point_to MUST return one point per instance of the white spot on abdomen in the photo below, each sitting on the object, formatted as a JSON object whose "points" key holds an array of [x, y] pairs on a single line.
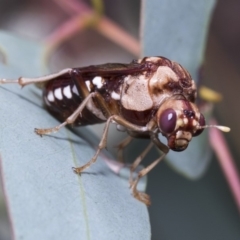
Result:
{"points": [[50, 97], [88, 85], [98, 82], [67, 92], [74, 90], [58, 93], [115, 95]]}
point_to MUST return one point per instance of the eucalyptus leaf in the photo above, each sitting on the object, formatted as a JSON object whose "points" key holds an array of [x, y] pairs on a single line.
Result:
{"points": [[177, 30], [45, 199]]}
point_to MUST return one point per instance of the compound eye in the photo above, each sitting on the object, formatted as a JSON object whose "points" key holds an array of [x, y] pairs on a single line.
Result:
{"points": [[168, 120], [201, 123]]}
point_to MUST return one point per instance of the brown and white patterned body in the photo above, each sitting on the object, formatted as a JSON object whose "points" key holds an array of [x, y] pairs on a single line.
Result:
{"points": [[138, 92]]}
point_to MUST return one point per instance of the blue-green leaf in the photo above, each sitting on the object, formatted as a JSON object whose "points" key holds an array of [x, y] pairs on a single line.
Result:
{"points": [[45, 199], [177, 30]]}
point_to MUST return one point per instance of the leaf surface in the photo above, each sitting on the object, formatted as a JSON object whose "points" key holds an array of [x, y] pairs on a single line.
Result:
{"points": [[45, 199]]}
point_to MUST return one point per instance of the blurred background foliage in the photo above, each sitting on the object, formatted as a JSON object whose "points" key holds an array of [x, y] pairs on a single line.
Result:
{"points": [[180, 209]]}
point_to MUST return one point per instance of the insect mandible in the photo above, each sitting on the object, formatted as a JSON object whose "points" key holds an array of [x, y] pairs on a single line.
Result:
{"points": [[144, 98]]}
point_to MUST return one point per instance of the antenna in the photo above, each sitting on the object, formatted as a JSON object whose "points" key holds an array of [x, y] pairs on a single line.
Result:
{"points": [[222, 128]]}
